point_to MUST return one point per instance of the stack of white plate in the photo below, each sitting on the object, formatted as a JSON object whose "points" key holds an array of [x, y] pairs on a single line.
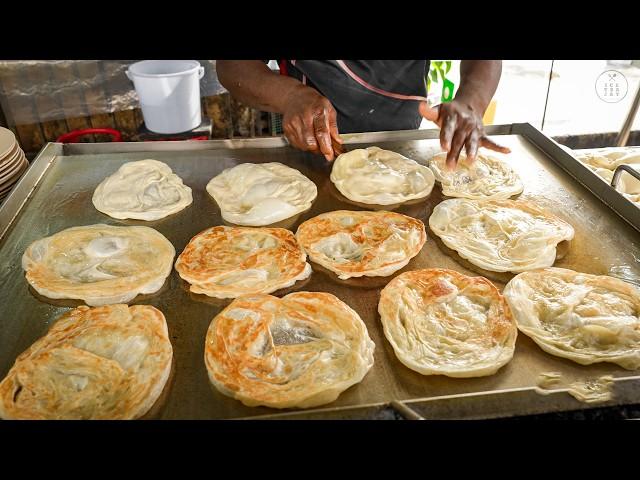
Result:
{"points": [[13, 163]]}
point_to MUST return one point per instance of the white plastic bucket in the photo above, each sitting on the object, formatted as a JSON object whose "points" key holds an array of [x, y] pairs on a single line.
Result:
{"points": [[169, 92]]}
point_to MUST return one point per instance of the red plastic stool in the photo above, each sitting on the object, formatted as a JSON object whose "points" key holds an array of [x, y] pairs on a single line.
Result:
{"points": [[72, 137]]}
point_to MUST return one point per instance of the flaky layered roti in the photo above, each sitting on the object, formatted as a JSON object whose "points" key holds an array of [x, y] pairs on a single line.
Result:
{"points": [[144, 190], [609, 158], [604, 161], [380, 177], [256, 194], [628, 183], [585, 318], [99, 264], [486, 178], [226, 262], [441, 322], [500, 235], [109, 362], [301, 350], [357, 243]]}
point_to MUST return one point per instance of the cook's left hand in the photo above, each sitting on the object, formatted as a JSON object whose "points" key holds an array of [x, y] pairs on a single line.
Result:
{"points": [[460, 126]]}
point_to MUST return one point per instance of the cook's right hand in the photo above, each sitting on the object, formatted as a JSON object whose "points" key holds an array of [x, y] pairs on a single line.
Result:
{"points": [[309, 122]]}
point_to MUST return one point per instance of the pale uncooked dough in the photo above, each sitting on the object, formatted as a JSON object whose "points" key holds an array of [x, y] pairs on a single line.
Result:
{"points": [[585, 318], [380, 177], [500, 235], [257, 194], [143, 190], [100, 264]]}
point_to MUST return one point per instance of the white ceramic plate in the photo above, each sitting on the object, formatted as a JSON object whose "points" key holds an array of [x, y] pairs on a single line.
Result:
{"points": [[7, 141], [12, 177]]}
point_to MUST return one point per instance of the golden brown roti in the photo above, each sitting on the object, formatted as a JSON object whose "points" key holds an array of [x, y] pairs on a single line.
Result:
{"points": [[108, 362], [361, 243], [226, 262], [441, 322], [301, 350]]}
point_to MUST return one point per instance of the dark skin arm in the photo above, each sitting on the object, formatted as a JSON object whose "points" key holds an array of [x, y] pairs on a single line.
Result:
{"points": [[309, 119], [460, 120]]}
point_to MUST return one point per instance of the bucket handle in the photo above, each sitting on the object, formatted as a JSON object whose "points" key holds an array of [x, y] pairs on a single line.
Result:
{"points": [[200, 73]]}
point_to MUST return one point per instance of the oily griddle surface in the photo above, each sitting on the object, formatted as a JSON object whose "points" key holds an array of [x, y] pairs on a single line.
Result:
{"points": [[603, 244]]}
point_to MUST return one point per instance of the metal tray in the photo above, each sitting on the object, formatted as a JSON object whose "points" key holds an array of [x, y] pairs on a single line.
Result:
{"points": [[606, 192], [56, 193]]}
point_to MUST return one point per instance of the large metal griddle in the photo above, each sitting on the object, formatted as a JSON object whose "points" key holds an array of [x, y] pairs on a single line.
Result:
{"points": [[56, 193]]}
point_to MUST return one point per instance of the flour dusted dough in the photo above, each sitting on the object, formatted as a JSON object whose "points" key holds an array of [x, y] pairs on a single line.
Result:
{"points": [[500, 235], [486, 178], [593, 391], [226, 262], [301, 350], [356, 244], [99, 264], [441, 322], [585, 318], [380, 177], [109, 362], [144, 190], [256, 194]]}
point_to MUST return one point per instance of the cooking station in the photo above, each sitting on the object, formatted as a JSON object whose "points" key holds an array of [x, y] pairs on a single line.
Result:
{"points": [[56, 194]]}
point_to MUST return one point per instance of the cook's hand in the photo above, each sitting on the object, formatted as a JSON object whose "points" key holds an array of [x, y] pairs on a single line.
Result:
{"points": [[310, 122], [460, 126]]}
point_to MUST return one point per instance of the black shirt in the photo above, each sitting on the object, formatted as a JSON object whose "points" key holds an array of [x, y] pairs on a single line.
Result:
{"points": [[360, 109]]}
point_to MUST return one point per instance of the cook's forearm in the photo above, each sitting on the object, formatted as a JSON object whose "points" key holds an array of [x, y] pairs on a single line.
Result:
{"points": [[254, 84], [478, 82]]}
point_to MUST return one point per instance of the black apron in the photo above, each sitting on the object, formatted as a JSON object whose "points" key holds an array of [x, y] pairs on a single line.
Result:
{"points": [[360, 109]]}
